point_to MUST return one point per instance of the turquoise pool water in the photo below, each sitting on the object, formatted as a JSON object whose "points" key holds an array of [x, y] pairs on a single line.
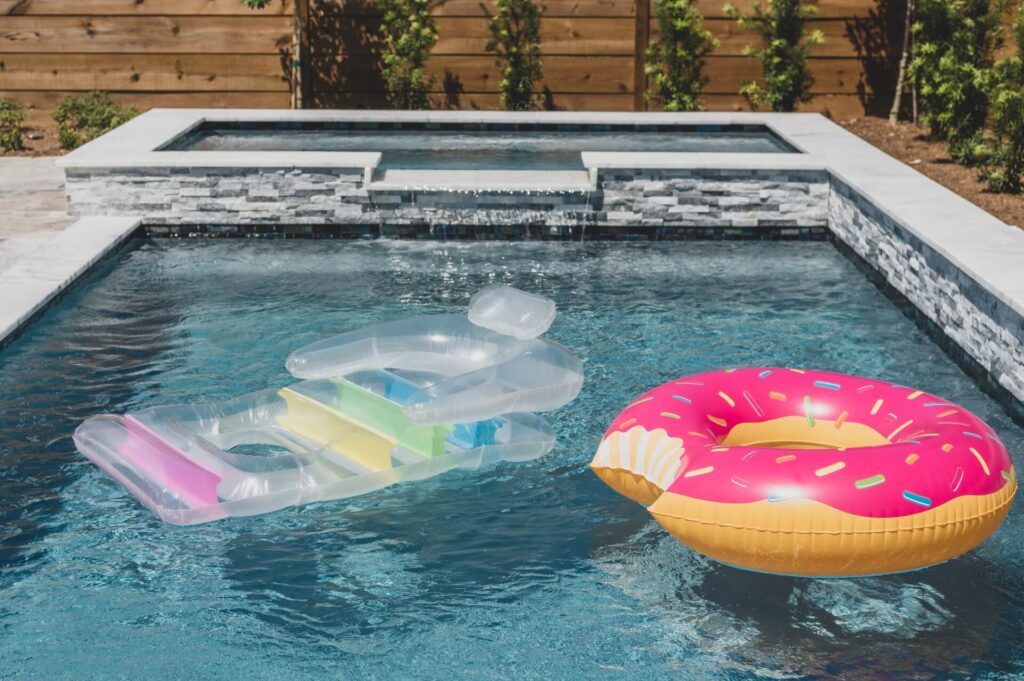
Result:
{"points": [[525, 571]]}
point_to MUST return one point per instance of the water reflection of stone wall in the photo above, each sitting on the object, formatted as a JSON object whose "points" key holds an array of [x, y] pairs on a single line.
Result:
{"points": [[625, 203]]}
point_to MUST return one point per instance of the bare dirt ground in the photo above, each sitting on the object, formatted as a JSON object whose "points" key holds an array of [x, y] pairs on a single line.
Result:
{"points": [[910, 144]]}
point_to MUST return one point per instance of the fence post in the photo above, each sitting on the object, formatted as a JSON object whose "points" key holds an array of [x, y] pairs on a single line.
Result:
{"points": [[641, 36]]}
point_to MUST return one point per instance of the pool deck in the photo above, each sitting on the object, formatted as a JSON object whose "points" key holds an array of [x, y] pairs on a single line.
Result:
{"points": [[42, 248]]}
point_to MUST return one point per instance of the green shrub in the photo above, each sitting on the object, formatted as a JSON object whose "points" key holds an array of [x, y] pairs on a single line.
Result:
{"points": [[83, 118], [256, 4], [407, 34], [515, 39], [675, 61], [783, 56], [1004, 167], [12, 125], [955, 43]]}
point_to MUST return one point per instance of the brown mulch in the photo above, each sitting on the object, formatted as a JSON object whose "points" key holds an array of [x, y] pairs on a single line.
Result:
{"points": [[909, 144]]}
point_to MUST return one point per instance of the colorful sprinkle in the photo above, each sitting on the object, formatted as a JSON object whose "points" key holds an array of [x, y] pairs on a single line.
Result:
{"points": [[785, 458], [897, 431], [981, 460], [753, 405], [740, 482], [682, 399], [627, 423], [719, 449], [728, 400], [698, 471], [948, 412], [696, 434], [827, 385], [912, 459], [809, 411], [914, 395], [958, 477], [688, 383], [864, 388], [878, 405], [916, 498], [749, 455], [1006, 475], [874, 480], [798, 371], [717, 421], [947, 448], [937, 404], [842, 419], [640, 401], [829, 470], [974, 435], [670, 415], [765, 373], [778, 397]]}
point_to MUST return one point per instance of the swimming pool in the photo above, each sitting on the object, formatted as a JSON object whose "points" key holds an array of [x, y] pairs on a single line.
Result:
{"points": [[529, 571], [527, 146]]}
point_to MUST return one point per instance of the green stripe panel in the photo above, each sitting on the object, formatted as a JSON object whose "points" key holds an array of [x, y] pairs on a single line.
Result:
{"points": [[384, 416]]}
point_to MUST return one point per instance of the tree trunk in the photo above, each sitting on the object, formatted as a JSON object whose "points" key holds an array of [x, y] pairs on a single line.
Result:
{"points": [[894, 112]]}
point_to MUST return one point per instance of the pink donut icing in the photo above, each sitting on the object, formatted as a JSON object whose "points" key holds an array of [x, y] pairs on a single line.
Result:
{"points": [[937, 452]]}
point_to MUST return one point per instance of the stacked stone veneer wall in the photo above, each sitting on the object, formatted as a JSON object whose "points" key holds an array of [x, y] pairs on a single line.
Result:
{"points": [[986, 329], [623, 198]]}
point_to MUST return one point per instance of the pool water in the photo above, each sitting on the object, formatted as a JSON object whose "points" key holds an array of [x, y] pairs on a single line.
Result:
{"points": [[456, 149], [521, 571]]}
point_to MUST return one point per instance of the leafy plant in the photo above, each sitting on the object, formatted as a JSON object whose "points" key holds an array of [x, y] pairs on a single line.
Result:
{"points": [[675, 60], [783, 56], [1004, 167], [955, 43], [257, 4], [515, 39], [407, 34], [85, 117], [12, 125]]}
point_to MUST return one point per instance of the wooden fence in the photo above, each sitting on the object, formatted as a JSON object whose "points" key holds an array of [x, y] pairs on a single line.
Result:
{"points": [[218, 53]]}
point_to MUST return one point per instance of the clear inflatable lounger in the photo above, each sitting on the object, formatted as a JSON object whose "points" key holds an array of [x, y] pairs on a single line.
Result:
{"points": [[397, 402]]}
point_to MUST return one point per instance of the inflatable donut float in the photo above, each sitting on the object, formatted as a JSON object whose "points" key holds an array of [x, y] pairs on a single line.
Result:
{"points": [[809, 473]]}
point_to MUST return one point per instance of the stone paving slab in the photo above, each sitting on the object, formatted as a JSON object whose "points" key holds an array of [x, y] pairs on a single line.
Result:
{"points": [[32, 206]]}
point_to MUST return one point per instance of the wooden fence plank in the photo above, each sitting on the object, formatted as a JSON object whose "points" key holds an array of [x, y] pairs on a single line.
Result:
{"points": [[143, 7], [142, 72], [46, 99], [192, 35]]}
